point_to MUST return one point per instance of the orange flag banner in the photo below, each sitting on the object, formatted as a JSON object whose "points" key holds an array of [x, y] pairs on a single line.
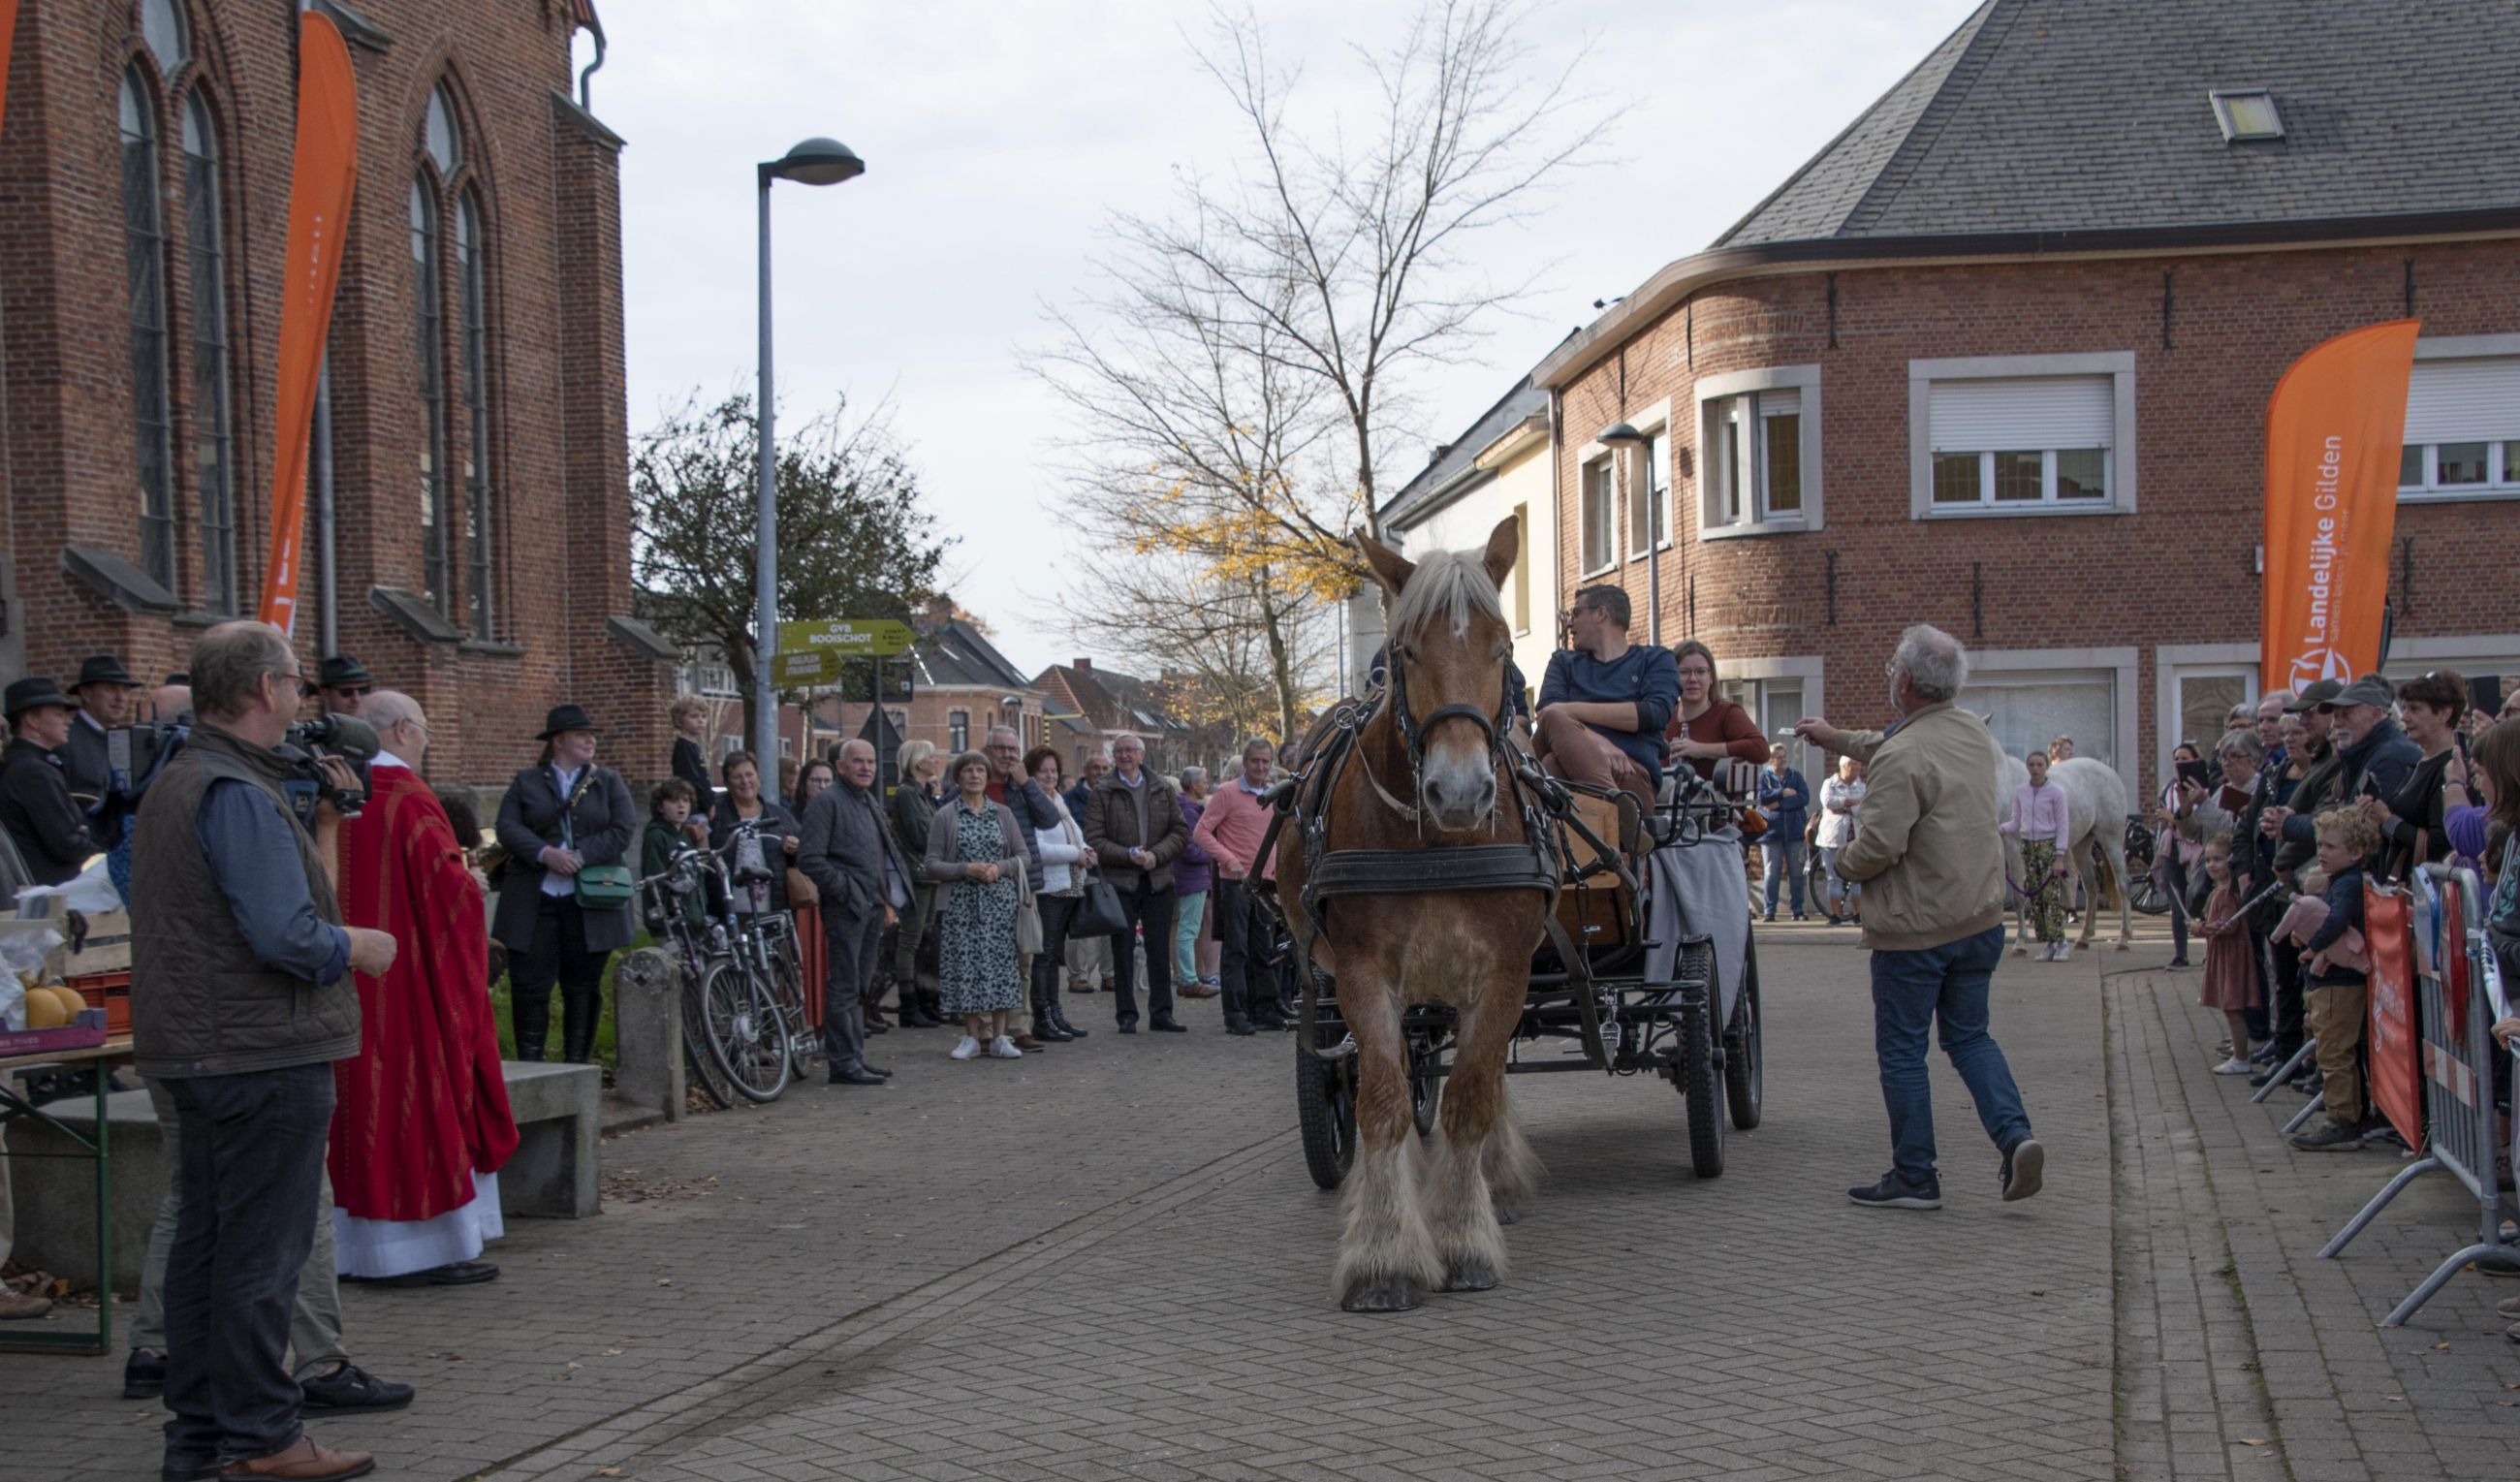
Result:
{"points": [[8, 34], [2334, 431], [321, 182]]}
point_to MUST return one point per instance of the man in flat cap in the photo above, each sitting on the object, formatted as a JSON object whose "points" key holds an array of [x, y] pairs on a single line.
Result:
{"points": [[104, 695]]}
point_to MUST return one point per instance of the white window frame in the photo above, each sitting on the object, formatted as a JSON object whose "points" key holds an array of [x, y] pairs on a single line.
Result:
{"points": [[1757, 520], [2502, 455], [1594, 457], [1809, 670], [1642, 467], [1995, 666], [2119, 465], [2174, 663]]}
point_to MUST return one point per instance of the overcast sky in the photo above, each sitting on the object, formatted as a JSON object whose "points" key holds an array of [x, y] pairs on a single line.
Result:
{"points": [[1000, 136]]}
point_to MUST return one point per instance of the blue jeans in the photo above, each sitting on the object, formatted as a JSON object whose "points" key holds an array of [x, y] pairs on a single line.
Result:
{"points": [[1783, 857], [1943, 988]]}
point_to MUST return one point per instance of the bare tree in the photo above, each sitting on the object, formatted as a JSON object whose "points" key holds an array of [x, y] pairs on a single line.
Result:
{"points": [[1242, 655], [1342, 258]]}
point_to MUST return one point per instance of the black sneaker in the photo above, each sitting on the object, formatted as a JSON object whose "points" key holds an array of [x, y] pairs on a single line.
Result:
{"points": [[1239, 1025], [350, 1389], [1896, 1193], [144, 1375], [2024, 1164], [2326, 1134]]}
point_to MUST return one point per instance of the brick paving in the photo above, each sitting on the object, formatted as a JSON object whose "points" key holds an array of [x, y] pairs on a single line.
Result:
{"points": [[1107, 1262]]}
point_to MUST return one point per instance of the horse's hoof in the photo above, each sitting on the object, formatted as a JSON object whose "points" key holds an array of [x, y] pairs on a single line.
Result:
{"points": [[1381, 1294], [1507, 1212], [2124, 947], [1471, 1275]]}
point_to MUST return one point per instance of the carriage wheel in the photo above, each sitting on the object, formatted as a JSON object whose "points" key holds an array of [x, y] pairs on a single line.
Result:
{"points": [[1325, 1115], [1699, 1082], [1744, 1059]]}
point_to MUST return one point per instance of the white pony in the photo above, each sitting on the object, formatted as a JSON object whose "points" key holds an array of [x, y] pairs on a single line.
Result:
{"points": [[2096, 811]]}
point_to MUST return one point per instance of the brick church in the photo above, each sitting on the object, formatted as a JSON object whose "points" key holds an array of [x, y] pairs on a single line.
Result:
{"points": [[467, 531]]}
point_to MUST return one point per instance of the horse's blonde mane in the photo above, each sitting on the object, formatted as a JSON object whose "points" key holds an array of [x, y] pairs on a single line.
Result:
{"points": [[1451, 585]]}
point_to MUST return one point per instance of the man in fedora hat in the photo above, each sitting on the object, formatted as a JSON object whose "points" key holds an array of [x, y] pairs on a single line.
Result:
{"points": [[346, 684], [104, 695], [35, 806]]}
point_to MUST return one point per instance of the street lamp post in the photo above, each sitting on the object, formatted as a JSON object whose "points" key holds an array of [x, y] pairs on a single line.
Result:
{"points": [[815, 161], [1620, 434]]}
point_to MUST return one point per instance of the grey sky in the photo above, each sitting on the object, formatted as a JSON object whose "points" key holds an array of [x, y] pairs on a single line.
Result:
{"points": [[998, 137]]}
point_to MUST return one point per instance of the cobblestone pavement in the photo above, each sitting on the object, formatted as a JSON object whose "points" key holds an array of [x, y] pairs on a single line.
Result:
{"points": [[2240, 1349], [1107, 1262]]}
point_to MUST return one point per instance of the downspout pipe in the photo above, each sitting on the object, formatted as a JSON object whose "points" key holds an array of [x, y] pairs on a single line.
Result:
{"points": [[585, 78]]}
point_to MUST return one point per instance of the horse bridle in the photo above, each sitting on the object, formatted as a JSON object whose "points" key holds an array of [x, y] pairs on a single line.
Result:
{"points": [[1413, 731]]}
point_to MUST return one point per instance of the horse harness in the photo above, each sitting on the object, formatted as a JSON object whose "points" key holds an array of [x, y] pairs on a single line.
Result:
{"points": [[1544, 803]]}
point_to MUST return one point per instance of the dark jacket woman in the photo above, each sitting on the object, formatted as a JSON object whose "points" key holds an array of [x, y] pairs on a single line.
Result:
{"points": [[914, 812], [550, 938]]}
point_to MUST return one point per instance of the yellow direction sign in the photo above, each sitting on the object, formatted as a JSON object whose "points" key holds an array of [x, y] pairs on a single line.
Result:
{"points": [[810, 652]]}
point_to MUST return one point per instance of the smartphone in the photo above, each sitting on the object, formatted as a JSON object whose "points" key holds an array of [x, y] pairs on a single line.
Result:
{"points": [[2485, 694], [2196, 772]]}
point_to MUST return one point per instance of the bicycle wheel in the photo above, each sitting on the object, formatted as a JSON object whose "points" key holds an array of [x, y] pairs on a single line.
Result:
{"points": [[786, 980], [746, 1034], [701, 1067]]}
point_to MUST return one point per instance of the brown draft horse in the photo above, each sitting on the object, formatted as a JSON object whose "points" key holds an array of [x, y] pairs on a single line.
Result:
{"points": [[1408, 1231]]}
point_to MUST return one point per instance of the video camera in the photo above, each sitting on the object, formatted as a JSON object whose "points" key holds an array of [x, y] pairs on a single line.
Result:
{"points": [[135, 754], [307, 747]]}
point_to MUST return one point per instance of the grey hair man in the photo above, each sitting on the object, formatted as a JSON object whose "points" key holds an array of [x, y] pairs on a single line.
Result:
{"points": [[846, 848], [1133, 822], [241, 1004], [2269, 719], [1928, 853]]}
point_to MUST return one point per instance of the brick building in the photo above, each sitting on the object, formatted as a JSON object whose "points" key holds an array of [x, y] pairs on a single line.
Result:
{"points": [[1089, 705], [1999, 358], [478, 546]]}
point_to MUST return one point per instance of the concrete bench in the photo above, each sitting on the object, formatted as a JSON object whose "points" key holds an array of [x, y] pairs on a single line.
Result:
{"points": [[559, 1111]]}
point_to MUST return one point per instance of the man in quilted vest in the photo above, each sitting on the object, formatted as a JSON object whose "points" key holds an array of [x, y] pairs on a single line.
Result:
{"points": [[240, 1003]]}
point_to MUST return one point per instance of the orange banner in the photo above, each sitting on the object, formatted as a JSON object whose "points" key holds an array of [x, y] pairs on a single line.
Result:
{"points": [[2334, 429], [8, 33], [2396, 1055], [321, 182]]}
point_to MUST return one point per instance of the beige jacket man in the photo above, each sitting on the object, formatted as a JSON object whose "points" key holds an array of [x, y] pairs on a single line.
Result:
{"points": [[1926, 850]]}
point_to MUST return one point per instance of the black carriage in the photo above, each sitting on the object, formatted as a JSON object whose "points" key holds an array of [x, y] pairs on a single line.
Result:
{"points": [[1658, 984]]}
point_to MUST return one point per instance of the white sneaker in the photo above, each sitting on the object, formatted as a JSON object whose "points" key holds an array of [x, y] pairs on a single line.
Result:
{"points": [[1003, 1048], [2234, 1067], [966, 1049]]}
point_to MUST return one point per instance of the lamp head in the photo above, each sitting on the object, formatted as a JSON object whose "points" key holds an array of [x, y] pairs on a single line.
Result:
{"points": [[1618, 433], [816, 161]]}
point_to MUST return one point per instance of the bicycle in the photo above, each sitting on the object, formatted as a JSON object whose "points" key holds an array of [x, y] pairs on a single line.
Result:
{"points": [[734, 1033], [765, 941]]}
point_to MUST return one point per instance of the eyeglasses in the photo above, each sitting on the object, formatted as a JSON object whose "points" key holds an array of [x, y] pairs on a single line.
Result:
{"points": [[306, 688], [353, 690]]}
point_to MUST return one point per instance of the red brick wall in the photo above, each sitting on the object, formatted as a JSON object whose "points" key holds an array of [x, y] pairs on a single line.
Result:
{"points": [[2178, 571], [551, 194]]}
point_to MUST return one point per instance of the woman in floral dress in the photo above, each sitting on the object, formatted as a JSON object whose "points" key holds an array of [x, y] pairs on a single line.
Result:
{"points": [[976, 858]]}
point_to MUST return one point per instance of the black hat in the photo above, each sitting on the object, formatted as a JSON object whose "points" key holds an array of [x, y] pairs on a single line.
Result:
{"points": [[104, 669], [34, 692], [2369, 689], [180, 677], [561, 718], [341, 669], [2323, 692]]}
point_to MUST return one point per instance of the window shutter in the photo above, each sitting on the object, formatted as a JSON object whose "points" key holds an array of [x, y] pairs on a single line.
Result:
{"points": [[2463, 400], [1783, 401], [2020, 415]]}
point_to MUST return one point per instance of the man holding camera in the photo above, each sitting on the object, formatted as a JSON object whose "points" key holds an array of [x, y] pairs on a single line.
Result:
{"points": [[241, 1004]]}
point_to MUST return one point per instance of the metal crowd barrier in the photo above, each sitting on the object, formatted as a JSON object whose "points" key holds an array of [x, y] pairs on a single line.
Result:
{"points": [[2462, 1125]]}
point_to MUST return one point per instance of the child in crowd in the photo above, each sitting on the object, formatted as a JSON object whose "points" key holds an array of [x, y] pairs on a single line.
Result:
{"points": [[669, 810], [2230, 968], [2339, 985]]}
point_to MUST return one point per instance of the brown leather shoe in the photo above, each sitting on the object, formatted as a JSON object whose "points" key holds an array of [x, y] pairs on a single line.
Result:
{"points": [[1028, 1044], [304, 1461]]}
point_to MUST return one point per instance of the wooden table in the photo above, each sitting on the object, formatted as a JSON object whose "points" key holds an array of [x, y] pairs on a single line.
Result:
{"points": [[99, 1060]]}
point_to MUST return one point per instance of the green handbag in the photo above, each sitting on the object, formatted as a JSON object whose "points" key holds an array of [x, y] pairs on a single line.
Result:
{"points": [[599, 887], [603, 887]]}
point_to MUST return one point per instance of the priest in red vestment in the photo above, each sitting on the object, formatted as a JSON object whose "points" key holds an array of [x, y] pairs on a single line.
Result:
{"points": [[421, 1124]]}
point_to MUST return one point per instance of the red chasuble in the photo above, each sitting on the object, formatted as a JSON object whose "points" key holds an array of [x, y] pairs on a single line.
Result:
{"points": [[425, 1105]]}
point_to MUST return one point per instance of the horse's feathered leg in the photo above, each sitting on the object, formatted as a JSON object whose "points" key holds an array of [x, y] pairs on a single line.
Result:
{"points": [[1388, 1257], [1476, 1157]]}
